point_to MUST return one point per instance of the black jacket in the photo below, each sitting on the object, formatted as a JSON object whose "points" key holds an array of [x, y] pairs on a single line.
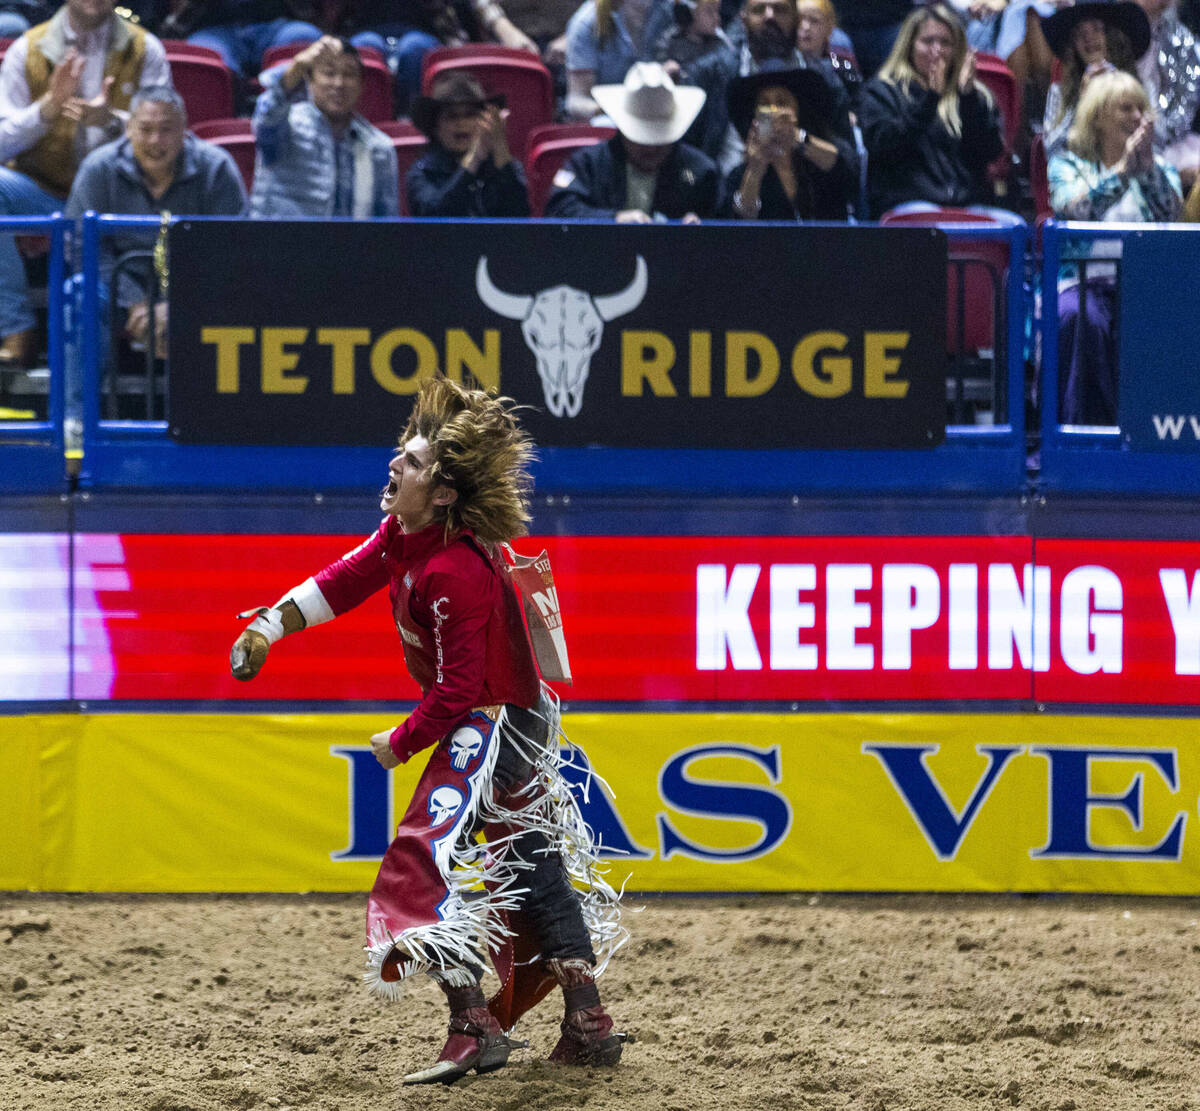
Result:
{"points": [[912, 157], [437, 185], [688, 181], [819, 196]]}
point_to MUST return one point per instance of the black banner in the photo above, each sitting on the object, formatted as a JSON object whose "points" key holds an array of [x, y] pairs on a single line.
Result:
{"points": [[713, 336]]}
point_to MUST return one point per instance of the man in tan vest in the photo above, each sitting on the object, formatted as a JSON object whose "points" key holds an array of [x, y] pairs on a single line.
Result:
{"points": [[65, 86]]}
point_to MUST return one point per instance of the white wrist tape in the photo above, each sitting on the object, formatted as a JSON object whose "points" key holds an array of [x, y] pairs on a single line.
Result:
{"points": [[270, 624], [310, 602]]}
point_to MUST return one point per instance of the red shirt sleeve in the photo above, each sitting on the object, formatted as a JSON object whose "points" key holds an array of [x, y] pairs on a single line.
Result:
{"points": [[456, 605], [358, 574]]}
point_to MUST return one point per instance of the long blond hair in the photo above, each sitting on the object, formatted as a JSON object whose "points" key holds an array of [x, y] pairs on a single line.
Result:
{"points": [[1084, 137], [604, 19], [898, 69], [479, 450]]}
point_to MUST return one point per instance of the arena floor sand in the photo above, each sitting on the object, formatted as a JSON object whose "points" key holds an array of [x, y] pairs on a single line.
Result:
{"points": [[885, 1003]]}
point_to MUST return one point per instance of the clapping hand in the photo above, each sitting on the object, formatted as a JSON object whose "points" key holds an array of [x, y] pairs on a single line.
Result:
{"points": [[64, 81], [966, 75], [1139, 148], [96, 112]]}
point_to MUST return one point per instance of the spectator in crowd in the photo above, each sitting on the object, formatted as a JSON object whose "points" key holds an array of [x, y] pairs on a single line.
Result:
{"points": [[65, 86], [1012, 31], [644, 174], [697, 32], [1091, 37], [241, 31], [404, 31], [1107, 172], [872, 26], [317, 156], [157, 166], [816, 30], [1170, 73], [468, 169], [930, 129], [771, 39], [1191, 208], [792, 171], [17, 16], [605, 38]]}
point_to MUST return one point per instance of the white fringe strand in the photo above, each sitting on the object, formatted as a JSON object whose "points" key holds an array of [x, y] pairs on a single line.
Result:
{"points": [[483, 880]]}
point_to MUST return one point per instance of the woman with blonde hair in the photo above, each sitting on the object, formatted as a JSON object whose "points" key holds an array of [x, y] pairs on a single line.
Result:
{"points": [[1109, 172], [930, 129], [605, 38], [1089, 38]]}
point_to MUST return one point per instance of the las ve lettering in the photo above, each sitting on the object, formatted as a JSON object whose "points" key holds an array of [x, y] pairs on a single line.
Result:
{"points": [[1016, 609], [1072, 801]]}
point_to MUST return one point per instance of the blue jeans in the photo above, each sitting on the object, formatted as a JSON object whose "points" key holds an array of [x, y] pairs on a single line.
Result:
{"points": [[19, 196], [243, 45], [12, 25], [405, 49]]}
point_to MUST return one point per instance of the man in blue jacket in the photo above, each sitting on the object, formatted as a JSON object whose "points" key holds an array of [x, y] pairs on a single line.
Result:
{"points": [[317, 156], [644, 174]]}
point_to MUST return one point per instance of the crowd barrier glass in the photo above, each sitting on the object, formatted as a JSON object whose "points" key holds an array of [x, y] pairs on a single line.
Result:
{"points": [[1155, 446]]}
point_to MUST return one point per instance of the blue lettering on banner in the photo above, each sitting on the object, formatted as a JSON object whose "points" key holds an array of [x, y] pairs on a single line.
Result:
{"points": [[611, 836], [370, 804], [1071, 803], [723, 800], [944, 829]]}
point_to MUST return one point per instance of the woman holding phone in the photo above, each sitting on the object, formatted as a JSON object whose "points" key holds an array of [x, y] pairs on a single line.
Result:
{"points": [[791, 170]]}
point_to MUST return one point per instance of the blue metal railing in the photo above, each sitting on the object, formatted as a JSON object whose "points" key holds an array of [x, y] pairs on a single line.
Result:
{"points": [[1098, 460], [33, 451], [986, 460]]}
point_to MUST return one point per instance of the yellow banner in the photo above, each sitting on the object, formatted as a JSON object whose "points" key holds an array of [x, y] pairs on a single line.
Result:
{"points": [[703, 802]]}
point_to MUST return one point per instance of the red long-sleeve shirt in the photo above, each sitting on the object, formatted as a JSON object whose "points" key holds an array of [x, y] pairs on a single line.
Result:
{"points": [[459, 617]]}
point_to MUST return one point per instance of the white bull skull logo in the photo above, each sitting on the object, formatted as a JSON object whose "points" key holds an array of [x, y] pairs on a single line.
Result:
{"points": [[443, 804], [465, 746], [562, 327]]}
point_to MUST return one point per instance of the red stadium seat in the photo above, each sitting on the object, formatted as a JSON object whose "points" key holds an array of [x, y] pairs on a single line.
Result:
{"points": [[548, 157], [181, 48], [240, 145], [1000, 81], [520, 76], [976, 300], [376, 102], [219, 129], [205, 85], [399, 129], [546, 131], [408, 149], [1039, 178]]}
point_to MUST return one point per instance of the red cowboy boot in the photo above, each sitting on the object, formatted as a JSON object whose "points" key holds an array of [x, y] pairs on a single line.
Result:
{"points": [[475, 1042], [587, 1029]]}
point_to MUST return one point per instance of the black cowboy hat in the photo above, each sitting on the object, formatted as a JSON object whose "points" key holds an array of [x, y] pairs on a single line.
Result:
{"points": [[455, 87], [1124, 15], [813, 96]]}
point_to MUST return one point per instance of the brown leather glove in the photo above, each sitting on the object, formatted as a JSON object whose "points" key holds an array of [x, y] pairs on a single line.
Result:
{"points": [[249, 651], [248, 654]]}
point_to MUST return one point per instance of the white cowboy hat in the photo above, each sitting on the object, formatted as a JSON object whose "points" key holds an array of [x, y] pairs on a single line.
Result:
{"points": [[649, 108]]}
